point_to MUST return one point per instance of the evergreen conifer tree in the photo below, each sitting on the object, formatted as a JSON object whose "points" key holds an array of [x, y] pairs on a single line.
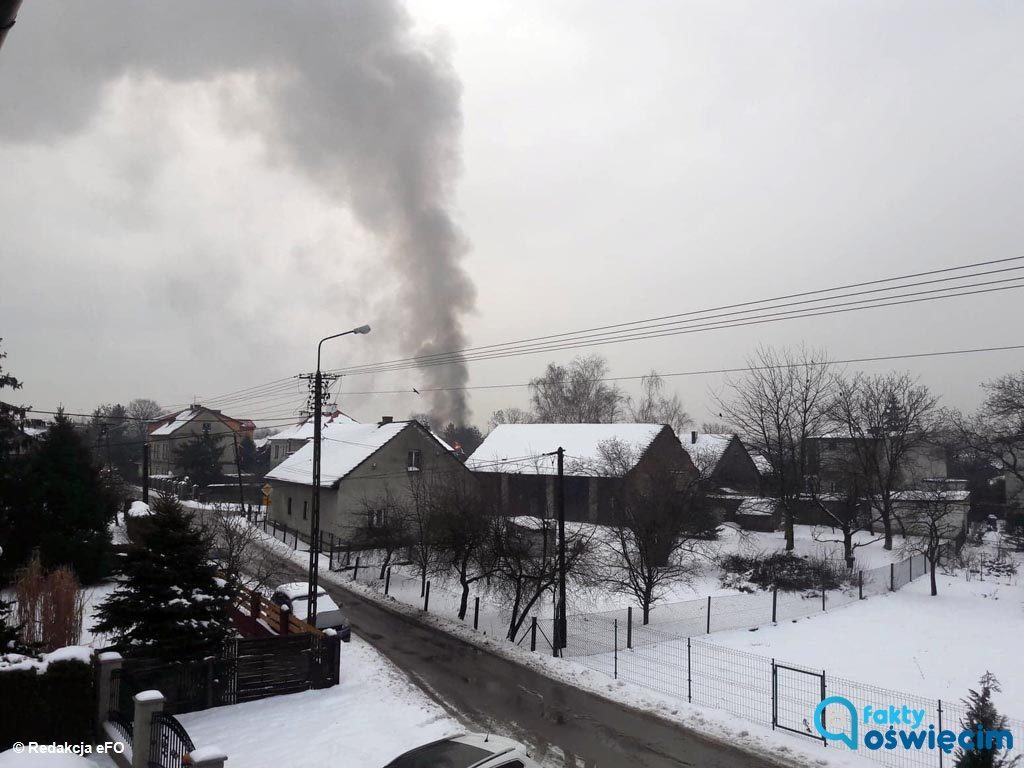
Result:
{"points": [[65, 509], [171, 605], [982, 714]]}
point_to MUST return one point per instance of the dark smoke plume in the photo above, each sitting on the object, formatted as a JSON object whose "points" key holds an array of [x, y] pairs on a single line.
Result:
{"points": [[352, 98]]}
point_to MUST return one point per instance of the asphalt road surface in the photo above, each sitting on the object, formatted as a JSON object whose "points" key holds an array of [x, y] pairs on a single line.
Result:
{"points": [[564, 726]]}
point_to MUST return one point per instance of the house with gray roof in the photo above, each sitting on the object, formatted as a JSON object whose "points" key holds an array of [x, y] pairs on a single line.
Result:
{"points": [[361, 466]]}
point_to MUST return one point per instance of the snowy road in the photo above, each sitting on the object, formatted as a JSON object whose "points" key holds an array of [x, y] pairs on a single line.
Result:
{"points": [[564, 725]]}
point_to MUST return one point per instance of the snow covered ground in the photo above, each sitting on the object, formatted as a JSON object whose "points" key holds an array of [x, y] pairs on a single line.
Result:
{"points": [[910, 641], [371, 716]]}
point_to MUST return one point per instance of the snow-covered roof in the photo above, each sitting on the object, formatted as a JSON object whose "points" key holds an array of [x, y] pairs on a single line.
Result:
{"points": [[707, 450], [304, 429], [763, 465], [519, 448], [173, 425], [344, 446], [260, 442]]}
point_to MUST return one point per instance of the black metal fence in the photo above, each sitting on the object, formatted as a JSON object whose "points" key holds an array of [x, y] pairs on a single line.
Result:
{"points": [[246, 669], [588, 634], [169, 742]]}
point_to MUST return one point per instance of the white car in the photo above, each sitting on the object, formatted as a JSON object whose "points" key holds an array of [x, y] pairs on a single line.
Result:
{"points": [[328, 615], [470, 750]]}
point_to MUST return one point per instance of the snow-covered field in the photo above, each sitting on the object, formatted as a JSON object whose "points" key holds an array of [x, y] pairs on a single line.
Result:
{"points": [[910, 641], [371, 716]]}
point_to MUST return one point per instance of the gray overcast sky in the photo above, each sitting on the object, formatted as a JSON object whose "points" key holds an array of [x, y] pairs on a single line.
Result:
{"points": [[174, 227]]}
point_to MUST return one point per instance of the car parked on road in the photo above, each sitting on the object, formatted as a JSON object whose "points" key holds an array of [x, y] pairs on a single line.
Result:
{"points": [[470, 750], [295, 595]]}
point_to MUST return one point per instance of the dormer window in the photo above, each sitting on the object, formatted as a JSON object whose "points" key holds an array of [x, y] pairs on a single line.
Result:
{"points": [[414, 461]]}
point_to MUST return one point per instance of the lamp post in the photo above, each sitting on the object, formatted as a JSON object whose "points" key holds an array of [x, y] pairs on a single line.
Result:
{"points": [[314, 521]]}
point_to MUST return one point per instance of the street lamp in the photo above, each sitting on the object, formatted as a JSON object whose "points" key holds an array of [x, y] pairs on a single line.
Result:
{"points": [[314, 522]]}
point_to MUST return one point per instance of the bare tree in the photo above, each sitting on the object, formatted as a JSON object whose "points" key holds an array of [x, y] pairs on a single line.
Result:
{"points": [[717, 428], [509, 416], [845, 509], [419, 517], [656, 406], [387, 527], [932, 520], [141, 410], [238, 547], [659, 529], [782, 401], [996, 431], [526, 563], [886, 418], [576, 393], [463, 536]]}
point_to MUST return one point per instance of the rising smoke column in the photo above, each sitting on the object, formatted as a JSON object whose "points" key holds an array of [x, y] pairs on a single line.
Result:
{"points": [[352, 98]]}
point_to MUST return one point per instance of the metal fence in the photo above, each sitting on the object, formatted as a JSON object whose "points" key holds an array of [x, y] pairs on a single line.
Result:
{"points": [[778, 694], [588, 634]]}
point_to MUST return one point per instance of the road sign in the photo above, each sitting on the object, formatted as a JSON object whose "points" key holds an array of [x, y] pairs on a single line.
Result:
{"points": [[267, 489]]}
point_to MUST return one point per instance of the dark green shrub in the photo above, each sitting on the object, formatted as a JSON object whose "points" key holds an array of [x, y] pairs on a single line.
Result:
{"points": [[784, 571], [56, 706]]}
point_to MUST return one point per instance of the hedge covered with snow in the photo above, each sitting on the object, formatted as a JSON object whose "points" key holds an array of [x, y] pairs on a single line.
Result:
{"points": [[48, 700]]}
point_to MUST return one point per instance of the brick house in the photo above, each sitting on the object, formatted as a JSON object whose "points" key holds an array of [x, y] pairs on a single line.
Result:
{"points": [[517, 471]]}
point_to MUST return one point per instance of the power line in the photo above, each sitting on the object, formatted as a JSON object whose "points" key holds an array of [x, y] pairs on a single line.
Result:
{"points": [[465, 351], [756, 320], [707, 372]]}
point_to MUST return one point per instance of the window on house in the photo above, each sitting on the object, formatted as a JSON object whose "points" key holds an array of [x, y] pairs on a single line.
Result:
{"points": [[377, 518], [289, 506], [277, 451], [305, 507], [414, 461]]}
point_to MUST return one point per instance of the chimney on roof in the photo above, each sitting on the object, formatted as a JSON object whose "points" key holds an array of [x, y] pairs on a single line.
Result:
{"points": [[386, 419], [693, 437]]}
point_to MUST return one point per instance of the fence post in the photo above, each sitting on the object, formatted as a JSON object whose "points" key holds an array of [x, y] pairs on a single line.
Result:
{"points": [[775, 604], [426, 598], [209, 682], [709, 615], [860, 585], [892, 577], [147, 704], [282, 624], [355, 571], [689, 676], [533, 633], [823, 593], [106, 662], [476, 612], [616, 649], [940, 731], [295, 540], [387, 581], [254, 606], [775, 695], [629, 627]]}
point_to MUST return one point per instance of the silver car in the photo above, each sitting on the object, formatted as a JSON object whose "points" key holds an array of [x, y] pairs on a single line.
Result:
{"points": [[470, 750]]}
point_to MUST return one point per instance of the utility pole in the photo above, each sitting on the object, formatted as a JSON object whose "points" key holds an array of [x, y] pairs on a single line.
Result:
{"points": [[314, 517], [145, 473], [560, 502], [238, 469]]}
